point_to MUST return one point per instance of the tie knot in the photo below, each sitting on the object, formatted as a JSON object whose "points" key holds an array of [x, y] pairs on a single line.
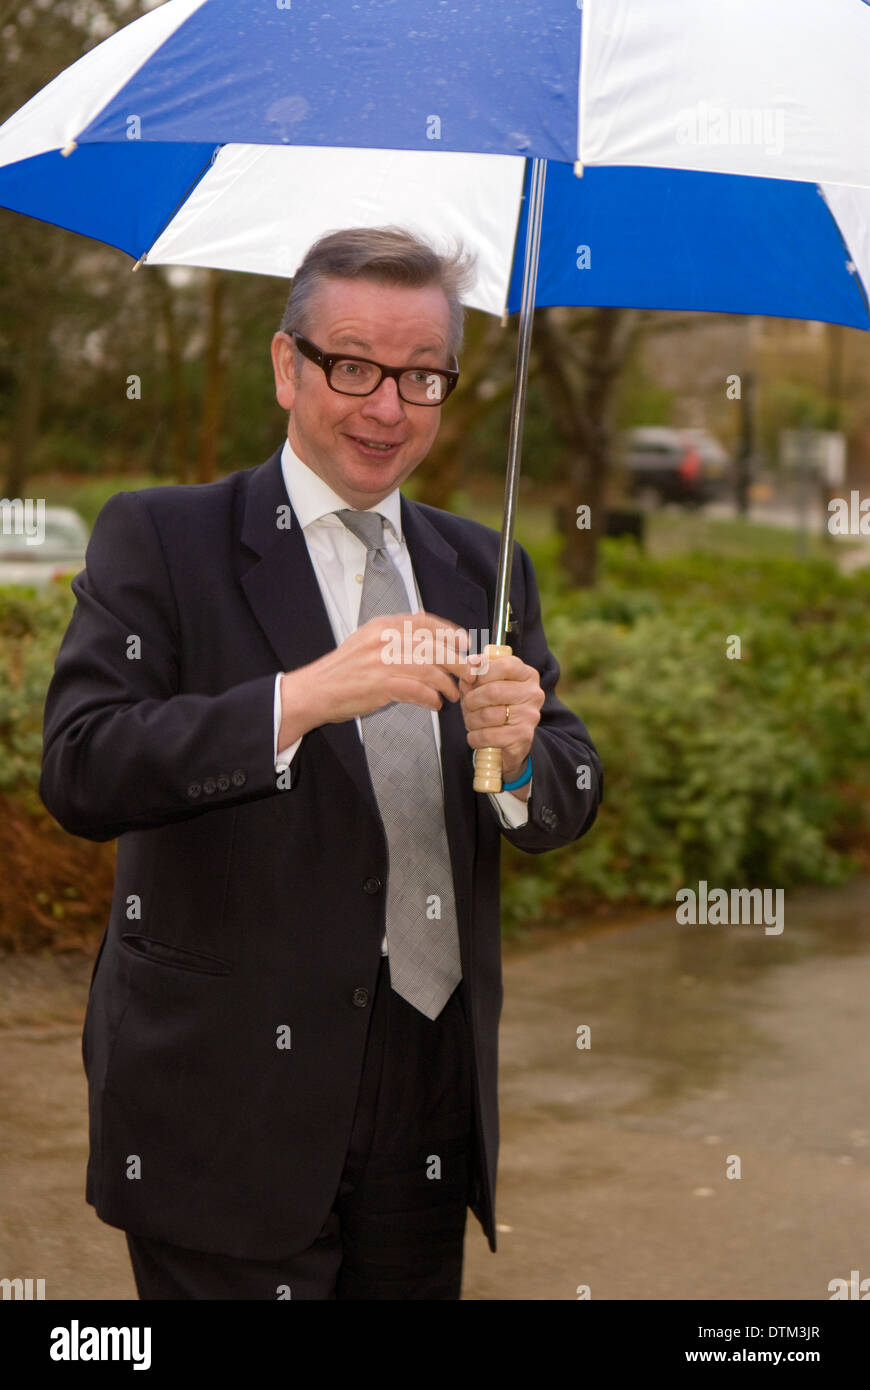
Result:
{"points": [[367, 526]]}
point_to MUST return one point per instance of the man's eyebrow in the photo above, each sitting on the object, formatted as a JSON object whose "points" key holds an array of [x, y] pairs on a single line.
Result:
{"points": [[347, 339]]}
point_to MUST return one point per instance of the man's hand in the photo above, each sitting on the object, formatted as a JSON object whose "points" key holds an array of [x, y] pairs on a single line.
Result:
{"points": [[506, 683], [382, 661]]}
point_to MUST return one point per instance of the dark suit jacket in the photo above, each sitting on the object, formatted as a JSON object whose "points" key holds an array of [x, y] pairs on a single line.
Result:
{"points": [[240, 908]]}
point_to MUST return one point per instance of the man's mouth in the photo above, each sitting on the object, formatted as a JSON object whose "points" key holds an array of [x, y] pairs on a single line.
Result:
{"points": [[373, 447]]}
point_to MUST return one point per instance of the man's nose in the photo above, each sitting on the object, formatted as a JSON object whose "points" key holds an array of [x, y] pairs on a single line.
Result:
{"points": [[385, 403]]}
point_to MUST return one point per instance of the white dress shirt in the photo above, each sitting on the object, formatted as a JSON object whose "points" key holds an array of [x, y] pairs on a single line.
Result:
{"points": [[339, 561]]}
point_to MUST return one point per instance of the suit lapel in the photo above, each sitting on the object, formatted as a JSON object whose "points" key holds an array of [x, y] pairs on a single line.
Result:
{"points": [[282, 589]]}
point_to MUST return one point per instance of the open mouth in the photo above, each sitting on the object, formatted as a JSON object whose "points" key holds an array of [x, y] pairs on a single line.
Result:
{"points": [[371, 448]]}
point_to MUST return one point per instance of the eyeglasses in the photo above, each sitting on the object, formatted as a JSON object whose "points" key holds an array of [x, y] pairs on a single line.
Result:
{"points": [[357, 376]]}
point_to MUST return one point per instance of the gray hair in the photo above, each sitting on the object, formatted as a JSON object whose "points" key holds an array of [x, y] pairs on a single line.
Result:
{"points": [[388, 256]]}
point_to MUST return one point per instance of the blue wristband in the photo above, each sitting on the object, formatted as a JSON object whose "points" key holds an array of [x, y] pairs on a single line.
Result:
{"points": [[521, 781]]}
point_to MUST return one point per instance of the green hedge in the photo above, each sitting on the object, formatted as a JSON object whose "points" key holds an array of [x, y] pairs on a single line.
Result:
{"points": [[32, 625], [750, 772]]}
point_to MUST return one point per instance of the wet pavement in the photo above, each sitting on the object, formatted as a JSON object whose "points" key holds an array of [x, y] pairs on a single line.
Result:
{"points": [[706, 1042], [710, 1049]]}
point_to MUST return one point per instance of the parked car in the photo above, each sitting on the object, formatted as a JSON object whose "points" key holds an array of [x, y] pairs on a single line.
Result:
{"points": [[687, 466], [60, 551]]}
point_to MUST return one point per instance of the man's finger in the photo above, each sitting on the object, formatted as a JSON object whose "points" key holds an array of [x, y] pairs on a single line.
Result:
{"points": [[493, 693]]}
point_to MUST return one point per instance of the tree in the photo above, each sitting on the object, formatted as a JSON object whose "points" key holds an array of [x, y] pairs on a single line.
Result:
{"points": [[486, 381], [580, 356], [47, 299], [213, 393]]}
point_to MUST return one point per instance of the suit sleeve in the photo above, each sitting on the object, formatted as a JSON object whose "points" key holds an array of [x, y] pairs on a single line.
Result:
{"points": [[122, 748], [560, 811]]}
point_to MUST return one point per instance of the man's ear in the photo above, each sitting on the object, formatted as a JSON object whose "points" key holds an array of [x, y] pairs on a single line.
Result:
{"points": [[284, 369]]}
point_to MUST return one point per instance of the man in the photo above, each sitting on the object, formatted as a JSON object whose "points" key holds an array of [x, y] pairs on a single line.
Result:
{"points": [[291, 1036]]}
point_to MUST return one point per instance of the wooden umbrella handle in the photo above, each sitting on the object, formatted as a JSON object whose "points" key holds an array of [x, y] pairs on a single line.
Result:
{"points": [[487, 764]]}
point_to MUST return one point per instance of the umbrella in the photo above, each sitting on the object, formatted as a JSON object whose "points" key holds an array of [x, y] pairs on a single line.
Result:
{"points": [[725, 163]]}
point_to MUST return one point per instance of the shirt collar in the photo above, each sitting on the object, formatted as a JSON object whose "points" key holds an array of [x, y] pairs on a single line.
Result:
{"points": [[312, 498]]}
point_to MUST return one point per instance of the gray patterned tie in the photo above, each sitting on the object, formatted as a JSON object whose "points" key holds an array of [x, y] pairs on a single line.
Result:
{"points": [[399, 743]]}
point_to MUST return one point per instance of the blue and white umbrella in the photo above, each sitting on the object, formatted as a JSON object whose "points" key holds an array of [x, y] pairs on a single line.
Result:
{"points": [[724, 151]]}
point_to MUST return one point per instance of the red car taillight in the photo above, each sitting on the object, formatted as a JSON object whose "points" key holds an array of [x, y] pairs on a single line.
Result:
{"points": [[690, 466]]}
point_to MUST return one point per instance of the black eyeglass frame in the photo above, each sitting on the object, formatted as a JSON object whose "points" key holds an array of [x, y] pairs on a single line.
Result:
{"points": [[328, 360]]}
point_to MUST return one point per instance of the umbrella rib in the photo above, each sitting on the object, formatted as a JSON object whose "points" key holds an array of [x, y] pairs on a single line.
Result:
{"points": [[505, 315], [182, 200], [848, 250]]}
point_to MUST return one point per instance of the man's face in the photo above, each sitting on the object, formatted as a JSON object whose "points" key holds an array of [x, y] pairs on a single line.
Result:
{"points": [[388, 323]]}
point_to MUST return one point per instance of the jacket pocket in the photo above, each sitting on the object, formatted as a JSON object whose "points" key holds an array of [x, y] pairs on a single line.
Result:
{"points": [[161, 953]]}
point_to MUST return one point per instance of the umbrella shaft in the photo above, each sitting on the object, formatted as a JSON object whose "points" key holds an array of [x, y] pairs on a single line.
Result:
{"points": [[512, 481]]}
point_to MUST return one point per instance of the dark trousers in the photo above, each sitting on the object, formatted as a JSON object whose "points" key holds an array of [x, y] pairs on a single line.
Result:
{"points": [[397, 1224]]}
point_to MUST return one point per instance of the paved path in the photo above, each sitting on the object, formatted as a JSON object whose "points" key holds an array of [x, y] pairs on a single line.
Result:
{"points": [[705, 1043]]}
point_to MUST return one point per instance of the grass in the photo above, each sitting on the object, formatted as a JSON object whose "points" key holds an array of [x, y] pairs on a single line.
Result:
{"points": [[670, 532]]}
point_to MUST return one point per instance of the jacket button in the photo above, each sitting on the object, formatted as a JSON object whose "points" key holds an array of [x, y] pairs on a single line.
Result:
{"points": [[239, 778], [209, 786], [194, 790], [223, 783], [372, 885], [360, 998]]}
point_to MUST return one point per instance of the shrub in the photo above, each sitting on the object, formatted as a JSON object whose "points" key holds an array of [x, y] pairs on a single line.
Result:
{"points": [[750, 772]]}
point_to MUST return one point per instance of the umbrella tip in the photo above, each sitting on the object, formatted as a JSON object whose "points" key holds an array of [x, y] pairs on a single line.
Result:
{"points": [[578, 169], [69, 147], [141, 261]]}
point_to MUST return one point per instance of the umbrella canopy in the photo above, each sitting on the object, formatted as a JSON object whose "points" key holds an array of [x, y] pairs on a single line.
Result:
{"points": [[755, 87], [233, 133], [726, 160]]}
